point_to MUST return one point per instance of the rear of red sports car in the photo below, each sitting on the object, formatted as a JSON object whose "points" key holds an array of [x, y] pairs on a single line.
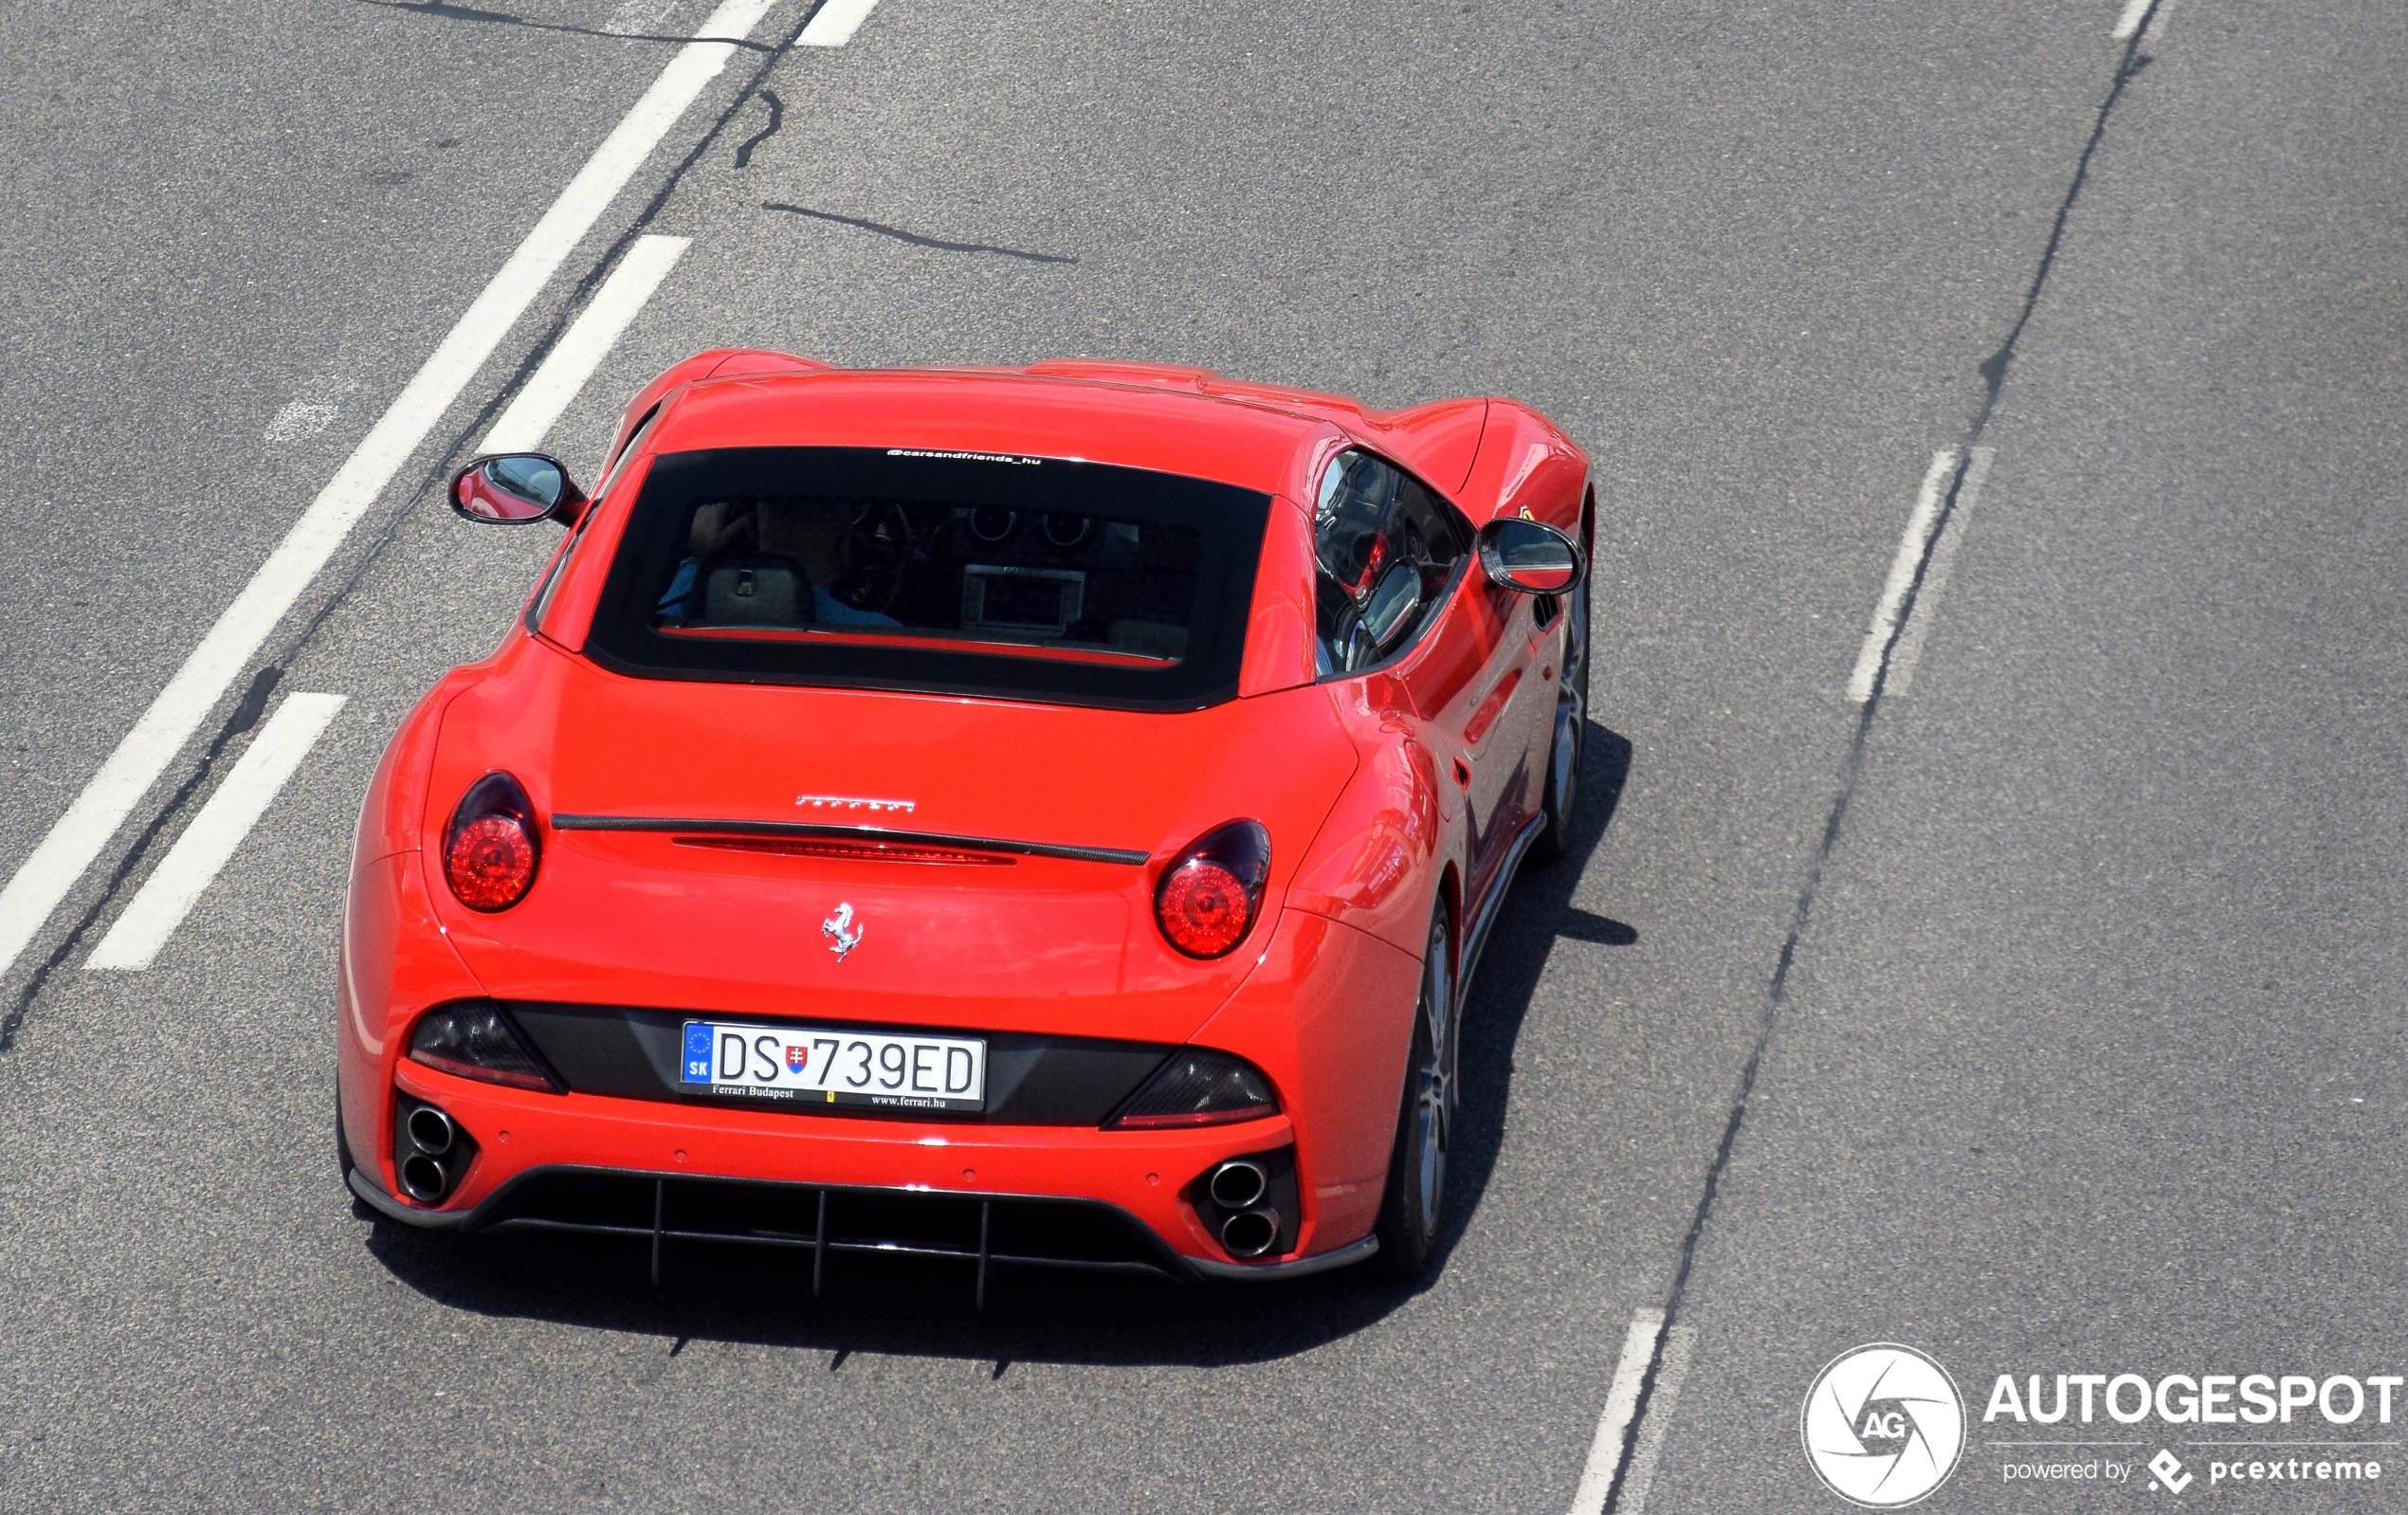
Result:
{"points": [[885, 830]]}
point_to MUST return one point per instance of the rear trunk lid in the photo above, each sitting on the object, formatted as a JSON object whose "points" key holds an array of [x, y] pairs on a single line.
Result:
{"points": [[1043, 828]]}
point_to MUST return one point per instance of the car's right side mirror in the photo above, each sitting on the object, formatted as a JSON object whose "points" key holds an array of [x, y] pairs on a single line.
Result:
{"points": [[1529, 557]]}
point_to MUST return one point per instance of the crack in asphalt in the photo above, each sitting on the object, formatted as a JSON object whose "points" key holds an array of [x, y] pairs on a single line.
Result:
{"points": [[1993, 374], [776, 119], [914, 237], [253, 704], [447, 12]]}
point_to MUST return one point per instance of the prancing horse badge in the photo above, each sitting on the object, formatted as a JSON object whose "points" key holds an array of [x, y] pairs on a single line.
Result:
{"points": [[841, 933]]}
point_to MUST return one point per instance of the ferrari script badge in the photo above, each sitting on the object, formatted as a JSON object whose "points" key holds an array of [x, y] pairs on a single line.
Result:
{"points": [[855, 802], [841, 932]]}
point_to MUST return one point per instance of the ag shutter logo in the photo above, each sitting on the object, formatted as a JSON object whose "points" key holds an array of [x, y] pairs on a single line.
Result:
{"points": [[1883, 1425]]}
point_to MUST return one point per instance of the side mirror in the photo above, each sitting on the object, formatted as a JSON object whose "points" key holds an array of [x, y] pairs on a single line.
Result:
{"points": [[1529, 557], [515, 489]]}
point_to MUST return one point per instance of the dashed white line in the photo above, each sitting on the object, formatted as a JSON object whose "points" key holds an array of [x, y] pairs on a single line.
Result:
{"points": [[1678, 1343], [834, 24], [197, 856], [1935, 579], [1901, 575], [2135, 11], [50, 871], [1621, 1402], [584, 345]]}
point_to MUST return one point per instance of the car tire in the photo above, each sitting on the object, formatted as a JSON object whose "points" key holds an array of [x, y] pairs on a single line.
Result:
{"points": [[1414, 1201], [1562, 789]]}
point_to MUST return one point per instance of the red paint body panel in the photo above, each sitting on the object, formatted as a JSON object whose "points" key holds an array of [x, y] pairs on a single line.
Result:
{"points": [[1524, 464], [1043, 945], [1329, 1017], [1355, 781], [394, 964], [972, 412]]}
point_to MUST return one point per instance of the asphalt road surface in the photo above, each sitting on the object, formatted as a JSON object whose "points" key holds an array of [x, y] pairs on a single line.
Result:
{"points": [[2042, 1011]]}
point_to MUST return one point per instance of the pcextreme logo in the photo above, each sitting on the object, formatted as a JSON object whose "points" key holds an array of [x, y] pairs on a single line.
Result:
{"points": [[1883, 1425]]}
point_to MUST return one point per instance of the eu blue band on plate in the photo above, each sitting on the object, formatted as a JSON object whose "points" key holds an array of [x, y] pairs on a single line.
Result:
{"points": [[698, 1054]]}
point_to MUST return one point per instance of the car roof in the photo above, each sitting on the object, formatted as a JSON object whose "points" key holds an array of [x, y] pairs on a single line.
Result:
{"points": [[1239, 439]]}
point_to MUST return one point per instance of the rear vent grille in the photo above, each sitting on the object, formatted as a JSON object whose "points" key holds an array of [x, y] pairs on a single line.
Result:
{"points": [[861, 851]]}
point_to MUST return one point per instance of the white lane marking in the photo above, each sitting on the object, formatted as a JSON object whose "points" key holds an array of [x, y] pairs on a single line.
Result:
{"points": [[2135, 11], [1901, 575], [1935, 580], [50, 870], [1621, 1401], [582, 348], [834, 24], [1678, 1343], [178, 883]]}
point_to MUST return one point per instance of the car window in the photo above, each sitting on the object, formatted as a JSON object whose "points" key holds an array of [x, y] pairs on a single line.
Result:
{"points": [[1028, 577], [1386, 549], [1054, 582]]}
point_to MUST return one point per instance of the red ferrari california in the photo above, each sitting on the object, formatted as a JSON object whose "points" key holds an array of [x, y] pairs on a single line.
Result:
{"points": [[1035, 816]]}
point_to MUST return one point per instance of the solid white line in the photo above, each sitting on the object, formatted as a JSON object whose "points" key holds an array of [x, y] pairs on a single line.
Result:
{"points": [[1621, 1401], [50, 871], [1935, 580], [2135, 11], [1901, 575], [835, 22], [584, 345], [1678, 1343], [176, 884]]}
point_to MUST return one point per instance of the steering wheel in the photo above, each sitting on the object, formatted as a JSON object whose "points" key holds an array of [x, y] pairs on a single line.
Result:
{"points": [[884, 551]]}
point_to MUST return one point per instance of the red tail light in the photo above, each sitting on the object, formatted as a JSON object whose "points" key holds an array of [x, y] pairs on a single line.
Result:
{"points": [[1209, 896], [489, 854]]}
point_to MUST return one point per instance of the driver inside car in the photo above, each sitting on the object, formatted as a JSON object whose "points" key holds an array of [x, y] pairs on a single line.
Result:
{"points": [[816, 539]]}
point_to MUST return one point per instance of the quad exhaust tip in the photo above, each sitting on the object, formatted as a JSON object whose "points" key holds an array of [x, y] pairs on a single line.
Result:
{"points": [[1238, 1184], [431, 1153], [431, 1131], [424, 1179], [1250, 1233]]}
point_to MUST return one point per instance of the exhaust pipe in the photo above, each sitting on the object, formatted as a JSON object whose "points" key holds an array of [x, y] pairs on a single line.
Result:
{"points": [[431, 1131], [1238, 1184], [1249, 1233], [431, 1150], [423, 1179]]}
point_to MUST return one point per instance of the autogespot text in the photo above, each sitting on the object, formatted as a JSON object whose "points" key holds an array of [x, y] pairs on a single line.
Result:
{"points": [[2178, 1398]]}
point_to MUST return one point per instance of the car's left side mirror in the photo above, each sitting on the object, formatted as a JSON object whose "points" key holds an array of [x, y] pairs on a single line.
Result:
{"points": [[517, 489], [1530, 555]]}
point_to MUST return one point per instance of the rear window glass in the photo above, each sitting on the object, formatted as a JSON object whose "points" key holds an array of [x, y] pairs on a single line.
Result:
{"points": [[961, 573]]}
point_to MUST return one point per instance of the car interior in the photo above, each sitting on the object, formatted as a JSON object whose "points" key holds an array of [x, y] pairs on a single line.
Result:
{"points": [[920, 569]]}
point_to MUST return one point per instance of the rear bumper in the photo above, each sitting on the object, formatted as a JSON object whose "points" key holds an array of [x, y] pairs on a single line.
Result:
{"points": [[989, 1231], [738, 1176]]}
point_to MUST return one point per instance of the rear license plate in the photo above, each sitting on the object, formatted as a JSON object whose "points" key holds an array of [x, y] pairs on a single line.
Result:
{"points": [[813, 1065]]}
